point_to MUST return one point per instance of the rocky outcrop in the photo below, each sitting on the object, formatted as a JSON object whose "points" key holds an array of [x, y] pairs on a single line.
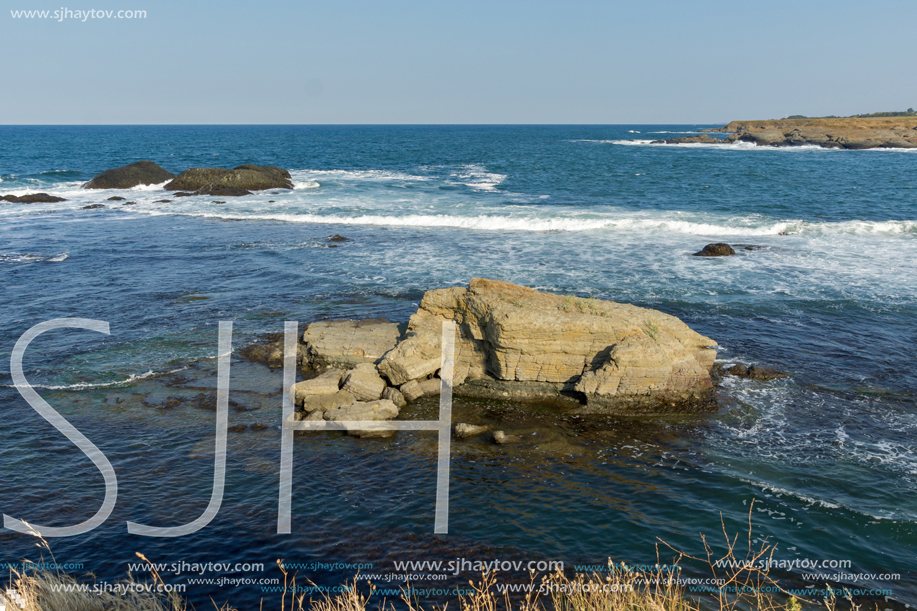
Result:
{"points": [[530, 344], [512, 343], [219, 181], [32, 198], [715, 250], [129, 176], [845, 133]]}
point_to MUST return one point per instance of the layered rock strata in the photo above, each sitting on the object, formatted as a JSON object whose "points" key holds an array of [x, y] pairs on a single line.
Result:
{"points": [[512, 343]]}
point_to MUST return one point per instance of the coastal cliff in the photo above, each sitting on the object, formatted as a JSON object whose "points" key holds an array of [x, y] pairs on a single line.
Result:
{"points": [[842, 133]]}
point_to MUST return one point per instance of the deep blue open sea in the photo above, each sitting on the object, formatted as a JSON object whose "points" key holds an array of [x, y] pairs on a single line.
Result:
{"points": [[828, 455]]}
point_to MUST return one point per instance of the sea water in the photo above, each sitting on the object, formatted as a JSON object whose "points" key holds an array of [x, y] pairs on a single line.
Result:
{"points": [[822, 287]]}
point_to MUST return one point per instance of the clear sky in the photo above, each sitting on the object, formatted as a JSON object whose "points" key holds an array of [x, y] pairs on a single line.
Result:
{"points": [[502, 61]]}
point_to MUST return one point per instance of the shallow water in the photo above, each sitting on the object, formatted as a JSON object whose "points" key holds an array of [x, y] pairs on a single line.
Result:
{"points": [[828, 454]]}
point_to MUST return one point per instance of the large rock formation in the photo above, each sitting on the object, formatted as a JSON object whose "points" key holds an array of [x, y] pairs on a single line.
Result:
{"points": [[219, 181], [129, 176], [512, 343], [518, 343]]}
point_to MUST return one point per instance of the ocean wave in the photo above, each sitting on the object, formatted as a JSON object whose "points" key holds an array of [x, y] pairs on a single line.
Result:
{"points": [[86, 385], [156, 187], [766, 487], [485, 222], [479, 178], [306, 184], [32, 258]]}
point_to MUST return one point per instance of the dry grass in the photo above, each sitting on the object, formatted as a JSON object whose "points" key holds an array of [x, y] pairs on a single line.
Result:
{"points": [[742, 574]]}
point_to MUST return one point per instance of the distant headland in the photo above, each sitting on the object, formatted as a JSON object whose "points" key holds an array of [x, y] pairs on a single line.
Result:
{"points": [[877, 130]]}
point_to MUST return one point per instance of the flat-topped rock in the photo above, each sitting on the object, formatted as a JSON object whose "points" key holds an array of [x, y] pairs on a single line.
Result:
{"points": [[347, 343]]}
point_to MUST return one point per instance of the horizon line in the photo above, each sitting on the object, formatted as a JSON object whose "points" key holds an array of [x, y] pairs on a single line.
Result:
{"points": [[347, 124]]}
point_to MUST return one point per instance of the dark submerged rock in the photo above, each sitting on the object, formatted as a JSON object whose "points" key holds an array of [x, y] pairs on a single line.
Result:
{"points": [[245, 177], [115, 198], [93, 206], [719, 249], [33, 198], [128, 176], [702, 139], [756, 372]]}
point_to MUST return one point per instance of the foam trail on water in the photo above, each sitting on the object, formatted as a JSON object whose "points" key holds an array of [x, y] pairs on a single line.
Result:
{"points": [[540, 224], [85, 385]]}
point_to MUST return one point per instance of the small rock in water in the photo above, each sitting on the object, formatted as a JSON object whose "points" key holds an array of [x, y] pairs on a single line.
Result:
{"points": [[719, 249], [217, 202], [500, 438], [259, 426], [238, 428], [163, 201], [756, 372], [129, 204], [764, 372], [464, 430], [337, 238], [115, 198], [93, 206]]}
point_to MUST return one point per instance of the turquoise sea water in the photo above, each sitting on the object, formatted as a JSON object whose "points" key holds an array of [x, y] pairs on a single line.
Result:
{"points": [[829, 295]]}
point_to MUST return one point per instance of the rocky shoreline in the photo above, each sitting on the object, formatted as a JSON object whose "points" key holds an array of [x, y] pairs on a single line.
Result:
{"points": [[583, 356], [849, 133]]}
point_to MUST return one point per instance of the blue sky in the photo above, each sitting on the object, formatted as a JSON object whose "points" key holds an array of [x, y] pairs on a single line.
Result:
{"points": [[401, 61]]}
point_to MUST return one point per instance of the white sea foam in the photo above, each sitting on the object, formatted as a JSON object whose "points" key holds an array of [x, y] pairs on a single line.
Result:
{"points": [[306, 184], [766, 487], [32, 258], [156, 187], [479, 178], [86, 385], [565, 223]]}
